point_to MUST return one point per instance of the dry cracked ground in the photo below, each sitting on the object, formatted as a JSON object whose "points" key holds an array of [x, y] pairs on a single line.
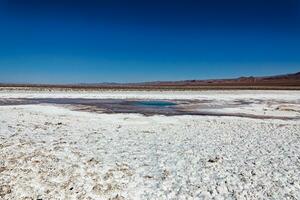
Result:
{"points": [[48, 152]]}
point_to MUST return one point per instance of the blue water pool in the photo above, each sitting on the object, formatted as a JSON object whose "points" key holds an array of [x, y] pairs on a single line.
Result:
{"points": [[154, 103]]}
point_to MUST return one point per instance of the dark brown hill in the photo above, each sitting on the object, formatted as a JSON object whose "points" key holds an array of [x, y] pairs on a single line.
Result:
{"points": [[286, 81], [278, 80]]}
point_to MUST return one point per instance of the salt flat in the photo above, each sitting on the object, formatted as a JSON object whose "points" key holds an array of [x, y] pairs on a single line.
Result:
{"points": [[52, 152]]}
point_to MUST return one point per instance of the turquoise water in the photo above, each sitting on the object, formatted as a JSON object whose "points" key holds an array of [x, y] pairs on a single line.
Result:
{"points": [[155, 103]]}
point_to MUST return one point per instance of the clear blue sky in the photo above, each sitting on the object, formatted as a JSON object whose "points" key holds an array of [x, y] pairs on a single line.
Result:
{"points": [[64, 41]]}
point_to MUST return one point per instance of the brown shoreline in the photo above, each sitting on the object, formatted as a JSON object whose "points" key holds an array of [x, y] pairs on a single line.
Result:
{"points": [[140, 88], [277, 82]]}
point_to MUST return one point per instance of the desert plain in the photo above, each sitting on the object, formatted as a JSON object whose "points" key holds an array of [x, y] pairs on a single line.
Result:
{"points": [[238, 144]]}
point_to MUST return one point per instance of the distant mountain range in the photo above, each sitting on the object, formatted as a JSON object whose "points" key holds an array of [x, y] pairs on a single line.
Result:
{"points": [[278, 80], [288, 81]]}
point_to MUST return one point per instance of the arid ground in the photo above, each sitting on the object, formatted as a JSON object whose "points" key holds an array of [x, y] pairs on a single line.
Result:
{"points": [[245, 146]]}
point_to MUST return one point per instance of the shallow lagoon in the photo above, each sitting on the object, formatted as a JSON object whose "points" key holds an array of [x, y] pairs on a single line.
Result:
{"points": [[155, 103], [147, 107]]}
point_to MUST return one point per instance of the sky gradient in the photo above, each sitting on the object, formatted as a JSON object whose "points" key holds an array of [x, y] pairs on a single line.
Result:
{"points": [[133, 41]]}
